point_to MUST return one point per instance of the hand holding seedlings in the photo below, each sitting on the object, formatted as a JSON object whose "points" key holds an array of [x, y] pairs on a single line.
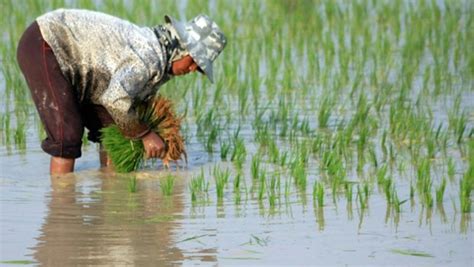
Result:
{"points": [[164, 140], [154, 146]]}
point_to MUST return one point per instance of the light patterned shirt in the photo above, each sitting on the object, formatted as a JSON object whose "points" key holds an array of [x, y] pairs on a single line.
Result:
{"points": [[109, 61]]}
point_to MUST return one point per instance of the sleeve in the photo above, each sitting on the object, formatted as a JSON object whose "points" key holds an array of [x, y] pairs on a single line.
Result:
{"points": [[119, 100]]}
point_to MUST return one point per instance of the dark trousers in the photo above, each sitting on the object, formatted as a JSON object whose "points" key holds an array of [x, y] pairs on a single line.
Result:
{"points": [[63, 117]]}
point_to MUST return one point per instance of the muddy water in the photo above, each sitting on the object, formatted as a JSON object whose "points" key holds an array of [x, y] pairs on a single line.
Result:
{"points": [[90, 218]]}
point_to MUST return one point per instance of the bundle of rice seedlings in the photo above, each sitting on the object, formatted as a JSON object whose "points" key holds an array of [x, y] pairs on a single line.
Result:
{"points": [[128, 155]]}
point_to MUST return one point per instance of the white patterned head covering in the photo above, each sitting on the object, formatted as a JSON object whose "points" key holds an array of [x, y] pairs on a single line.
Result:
{"points": [[202, 38]]}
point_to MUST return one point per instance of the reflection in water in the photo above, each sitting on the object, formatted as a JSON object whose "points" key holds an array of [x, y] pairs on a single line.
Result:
{"points": [[108, 225], [442, 213], [350, 214], [319, 212], [95, 220], [465, 223]]}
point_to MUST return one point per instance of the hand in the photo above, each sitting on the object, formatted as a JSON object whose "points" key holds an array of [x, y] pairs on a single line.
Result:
{"points": [[154, 146]]}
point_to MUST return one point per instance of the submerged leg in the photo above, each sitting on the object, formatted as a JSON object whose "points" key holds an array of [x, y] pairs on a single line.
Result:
{"points": [[59, 166], [105, 160]]}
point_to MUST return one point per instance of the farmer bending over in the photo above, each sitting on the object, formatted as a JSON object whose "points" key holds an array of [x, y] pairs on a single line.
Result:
{"points": [[89, 69]]}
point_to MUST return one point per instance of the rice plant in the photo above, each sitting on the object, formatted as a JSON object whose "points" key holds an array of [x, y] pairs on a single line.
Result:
{"points": [[239, 152], [451, 168], [362, 199], [395, 202], [167, 186], [224, 151], [198, 186], [424, 182], [440, 192], [318, 193], [466, 184], [298, 171], [273, 190], [348, 191], [255, 167], [262, 185], [221, 178]]}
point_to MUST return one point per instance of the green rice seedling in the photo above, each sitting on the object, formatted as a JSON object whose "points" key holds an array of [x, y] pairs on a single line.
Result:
{"points": [[317, 143], [424, 182], [467, 181], [283, 158], [20, 136], [373, 157], [193, 191], [211, 139], [274, 152], [271, 199], [333, 165], [132, 184], [335, 190], [438, 133], [383, 144], [262, 134], [388, 187], [392, 154], [395, 202], [430, 145], [237, 182], [283, 129], [401, 168], [255, 167], [465, 190], [318, 193], [460, 127], [273, 191], [362, 199], [305, 128], [324, 112], [262, 185], [221, 178], [224, 151], [298, 171], [198, 185], [239, 152], [348, 191], [382, 175], [440, 192], [362, 141], [451, 169], [428, 198], [287, 188], [243, 98], [366, 188], [167, 185]]}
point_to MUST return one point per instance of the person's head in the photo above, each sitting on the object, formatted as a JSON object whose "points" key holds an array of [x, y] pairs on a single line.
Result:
{"points": [[203, 41]]}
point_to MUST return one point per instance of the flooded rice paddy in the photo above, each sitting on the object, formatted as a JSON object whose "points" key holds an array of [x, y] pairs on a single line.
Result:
{"points": [[337, 133]]}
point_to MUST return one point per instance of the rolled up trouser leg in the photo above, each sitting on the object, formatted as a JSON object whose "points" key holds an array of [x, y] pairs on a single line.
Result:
{"points": [[53, 95]]}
